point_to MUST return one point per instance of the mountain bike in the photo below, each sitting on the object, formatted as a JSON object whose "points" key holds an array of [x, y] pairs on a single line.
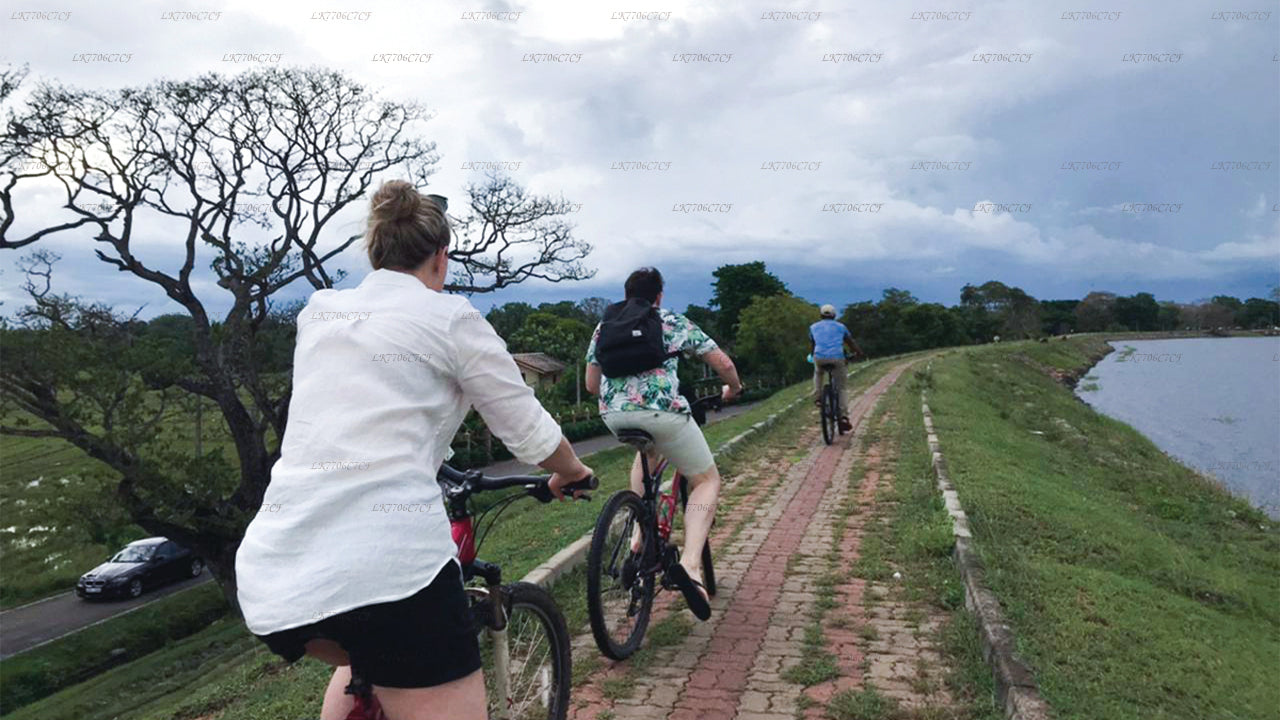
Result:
{"points": [[621, 583], [829, 407], [524, 643]]}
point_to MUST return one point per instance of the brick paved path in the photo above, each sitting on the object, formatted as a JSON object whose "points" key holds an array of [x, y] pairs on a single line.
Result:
{"points": [[773, 548]]}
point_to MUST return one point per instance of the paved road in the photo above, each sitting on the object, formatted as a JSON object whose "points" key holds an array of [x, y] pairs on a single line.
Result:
{"points": [[30, 625], [604, 442], [26, 627]]}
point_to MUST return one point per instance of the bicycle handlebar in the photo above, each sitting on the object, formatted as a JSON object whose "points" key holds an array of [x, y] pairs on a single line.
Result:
{"points": [[534, 485]]}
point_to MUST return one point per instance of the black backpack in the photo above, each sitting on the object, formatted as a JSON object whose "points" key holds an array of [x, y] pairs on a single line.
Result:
{"points": [[630, 339]]}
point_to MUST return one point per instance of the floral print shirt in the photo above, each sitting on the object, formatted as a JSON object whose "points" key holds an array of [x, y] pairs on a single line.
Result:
{"points": [[656, 389]]}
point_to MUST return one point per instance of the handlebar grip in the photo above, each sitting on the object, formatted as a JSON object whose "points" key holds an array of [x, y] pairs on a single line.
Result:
{"points": [[542, 492], [590, 482]]}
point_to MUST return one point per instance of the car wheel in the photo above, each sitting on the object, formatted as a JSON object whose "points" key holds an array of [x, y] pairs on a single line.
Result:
{"points": [[197, 567], [135, 588]]}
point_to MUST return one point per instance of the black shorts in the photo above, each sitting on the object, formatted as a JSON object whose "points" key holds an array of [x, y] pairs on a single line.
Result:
{"points": [[424, 640]]}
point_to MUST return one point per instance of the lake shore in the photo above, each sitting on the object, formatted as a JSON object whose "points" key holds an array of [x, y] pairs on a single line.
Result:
{"points": [[1212, 405], [1137, 587]]}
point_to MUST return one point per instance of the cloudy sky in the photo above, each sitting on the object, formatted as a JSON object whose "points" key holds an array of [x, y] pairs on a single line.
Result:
{"points": [[1061, 147]]}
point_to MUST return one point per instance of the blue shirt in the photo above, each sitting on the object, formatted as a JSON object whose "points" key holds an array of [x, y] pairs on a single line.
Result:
{"points": [[828, 339]]}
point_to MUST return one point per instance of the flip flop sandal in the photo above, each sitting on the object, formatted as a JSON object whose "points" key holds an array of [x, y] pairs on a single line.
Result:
{"points": [[692, 591]]}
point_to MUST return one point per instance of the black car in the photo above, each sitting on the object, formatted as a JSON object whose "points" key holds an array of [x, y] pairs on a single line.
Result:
{"points": [[141, 565]]}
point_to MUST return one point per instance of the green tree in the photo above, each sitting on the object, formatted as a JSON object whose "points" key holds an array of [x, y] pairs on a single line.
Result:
{"points": [[508, 318], [773, 336], [566, 309], [930, 325], [1058, 317], [706, 319], [1169, 317], [1258, 313], [1137, 312], [865, 324], [1095, 312], [735, 287], [562, 338]]}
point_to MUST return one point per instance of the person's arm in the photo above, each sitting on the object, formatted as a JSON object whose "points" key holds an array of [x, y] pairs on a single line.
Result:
{"points": [[848, 341], [565, 467], [492, 383], [593, 372], [720, 362]]}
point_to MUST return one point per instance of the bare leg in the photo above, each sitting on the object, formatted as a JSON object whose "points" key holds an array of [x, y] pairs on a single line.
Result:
{"points": [[637, 476], [704, 493], [637, 487], [337, 703], [461, 699]]}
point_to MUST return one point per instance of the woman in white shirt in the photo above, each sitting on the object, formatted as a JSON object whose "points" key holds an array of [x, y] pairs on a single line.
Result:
{"points": [[355, 563]]}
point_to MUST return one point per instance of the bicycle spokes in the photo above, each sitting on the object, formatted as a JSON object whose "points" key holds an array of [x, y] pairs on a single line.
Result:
{"points": [[622, 598], [521, 684]]}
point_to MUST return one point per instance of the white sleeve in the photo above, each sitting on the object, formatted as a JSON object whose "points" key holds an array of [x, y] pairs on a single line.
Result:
{"points": [[492, 383]]}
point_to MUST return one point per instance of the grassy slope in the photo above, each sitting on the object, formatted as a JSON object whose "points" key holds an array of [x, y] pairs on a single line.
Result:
{"points": [[223, 670], [43, 480], [41, 671], [1137, 588]]}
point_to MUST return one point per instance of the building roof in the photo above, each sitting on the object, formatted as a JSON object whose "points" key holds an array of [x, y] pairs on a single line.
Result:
{"points": [[541, 363]]}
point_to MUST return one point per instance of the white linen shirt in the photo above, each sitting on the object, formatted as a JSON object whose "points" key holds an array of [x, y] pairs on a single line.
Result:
{"points": [[383, 375]]}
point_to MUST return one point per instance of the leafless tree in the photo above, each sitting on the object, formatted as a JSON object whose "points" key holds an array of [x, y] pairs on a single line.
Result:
{"points": [[245, 174]]}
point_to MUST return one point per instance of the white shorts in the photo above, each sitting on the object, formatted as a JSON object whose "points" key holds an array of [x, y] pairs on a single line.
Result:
{"points": [[675, 436]]}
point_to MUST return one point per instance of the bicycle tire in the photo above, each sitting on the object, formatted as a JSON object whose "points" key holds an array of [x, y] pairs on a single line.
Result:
{"points": [[552, 693], [828, 412], [601, 562]]}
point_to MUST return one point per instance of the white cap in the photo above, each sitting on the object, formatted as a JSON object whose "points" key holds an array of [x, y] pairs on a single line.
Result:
{"points": [[828, 310]]}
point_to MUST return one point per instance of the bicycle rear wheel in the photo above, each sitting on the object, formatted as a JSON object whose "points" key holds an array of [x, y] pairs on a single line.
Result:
{"points": [[619, 594], [538, 667], [828, 412]]}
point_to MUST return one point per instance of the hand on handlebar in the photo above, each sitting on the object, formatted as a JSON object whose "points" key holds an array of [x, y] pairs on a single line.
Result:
{"points": [[558, 484], [727, 393]]}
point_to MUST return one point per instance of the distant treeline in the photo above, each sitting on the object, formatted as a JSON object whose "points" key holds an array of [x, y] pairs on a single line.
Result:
{"points": [[756, 317]]}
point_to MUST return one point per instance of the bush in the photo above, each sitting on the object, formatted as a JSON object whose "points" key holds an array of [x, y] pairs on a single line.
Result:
{"points": [[45, 670]]}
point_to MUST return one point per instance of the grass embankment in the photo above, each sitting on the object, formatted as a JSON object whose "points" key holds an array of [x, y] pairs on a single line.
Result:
{"points": [[226, 674], [1136, 587]]}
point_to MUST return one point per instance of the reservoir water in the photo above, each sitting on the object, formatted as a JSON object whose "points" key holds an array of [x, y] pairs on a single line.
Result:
{"points": [[1212, 403]]}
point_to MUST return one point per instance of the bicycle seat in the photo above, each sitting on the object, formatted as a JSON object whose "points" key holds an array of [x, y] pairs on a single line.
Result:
{"points": [[636, 438]]}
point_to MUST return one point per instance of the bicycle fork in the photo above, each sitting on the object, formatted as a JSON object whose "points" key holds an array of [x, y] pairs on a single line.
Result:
{"points": [[494, 600]]}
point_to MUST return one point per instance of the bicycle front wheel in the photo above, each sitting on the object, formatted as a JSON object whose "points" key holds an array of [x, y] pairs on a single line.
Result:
{"points": [[619, 591], [527, 666], [828, 412]]}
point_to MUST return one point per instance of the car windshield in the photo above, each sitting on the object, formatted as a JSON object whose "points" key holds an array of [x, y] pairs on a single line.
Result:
{"points": [[133, 554]]}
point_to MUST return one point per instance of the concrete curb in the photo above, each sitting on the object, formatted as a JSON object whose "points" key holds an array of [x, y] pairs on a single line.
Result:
{"points": [[1016, 689], [575, 553]]}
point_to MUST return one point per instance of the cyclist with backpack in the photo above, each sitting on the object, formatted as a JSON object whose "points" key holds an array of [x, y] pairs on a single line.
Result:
{"points": [[631, 364], [828, 339]]}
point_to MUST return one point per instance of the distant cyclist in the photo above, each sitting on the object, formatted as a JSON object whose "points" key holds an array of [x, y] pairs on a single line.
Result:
{"points": [[637, 384], [827, 340]]}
